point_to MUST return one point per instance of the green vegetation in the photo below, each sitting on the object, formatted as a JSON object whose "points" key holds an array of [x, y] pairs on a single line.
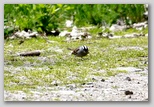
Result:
{"points": [[47, 17]]}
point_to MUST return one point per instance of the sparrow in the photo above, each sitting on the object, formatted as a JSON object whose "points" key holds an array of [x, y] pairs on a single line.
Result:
{"points": [[81, 51]]}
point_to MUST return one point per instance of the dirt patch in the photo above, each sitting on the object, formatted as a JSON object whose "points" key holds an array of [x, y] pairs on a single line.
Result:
{"points": [[131, 86]]}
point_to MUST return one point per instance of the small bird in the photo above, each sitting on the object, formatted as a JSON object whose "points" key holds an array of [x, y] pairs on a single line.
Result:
{"points": [[81, 51]]}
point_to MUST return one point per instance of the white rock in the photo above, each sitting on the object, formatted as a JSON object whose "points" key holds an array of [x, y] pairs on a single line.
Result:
{"points": [[75, 33], [115, 37], [89, 37], [141, 24], [34, 34], [69, 23], [116, 27], [5, 27], [146, 13], [132, 35], [63, 33]]}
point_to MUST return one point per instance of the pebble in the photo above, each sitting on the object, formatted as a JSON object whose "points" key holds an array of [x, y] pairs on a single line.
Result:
{"points": [[128, 92], [102, 80], [128, 78]]}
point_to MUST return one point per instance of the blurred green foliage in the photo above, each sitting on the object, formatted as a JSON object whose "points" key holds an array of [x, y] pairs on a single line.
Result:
{"points": [[47, 17]]}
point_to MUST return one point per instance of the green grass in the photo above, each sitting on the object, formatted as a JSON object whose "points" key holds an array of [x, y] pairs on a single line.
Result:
{"points": [[114, 72], [27, 73], [131, 30]]}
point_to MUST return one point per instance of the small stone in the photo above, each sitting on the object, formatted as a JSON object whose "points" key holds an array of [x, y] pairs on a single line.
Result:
{"points": [[102, 80], [93, 79], [85, 89], [55, 83], [72, 86], [130, 97], [90, 83], [128, 92], [146, 62], [128, 78]]}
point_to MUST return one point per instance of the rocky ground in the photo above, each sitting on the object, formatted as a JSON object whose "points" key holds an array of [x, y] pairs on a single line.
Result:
{"points": [[131, 86]]}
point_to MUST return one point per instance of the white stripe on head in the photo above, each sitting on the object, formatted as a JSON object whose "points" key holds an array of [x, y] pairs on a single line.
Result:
{"points": [[85, 47]]}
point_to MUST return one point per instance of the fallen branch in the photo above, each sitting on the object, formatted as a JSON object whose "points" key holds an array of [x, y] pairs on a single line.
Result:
{"points": [[33, 53]]}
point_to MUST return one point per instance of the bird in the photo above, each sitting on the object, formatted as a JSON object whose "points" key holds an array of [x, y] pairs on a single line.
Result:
{"points": [[81, 51]]}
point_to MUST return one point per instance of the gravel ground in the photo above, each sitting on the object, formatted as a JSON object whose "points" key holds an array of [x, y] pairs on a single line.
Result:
{"points": [[131, 86]]}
